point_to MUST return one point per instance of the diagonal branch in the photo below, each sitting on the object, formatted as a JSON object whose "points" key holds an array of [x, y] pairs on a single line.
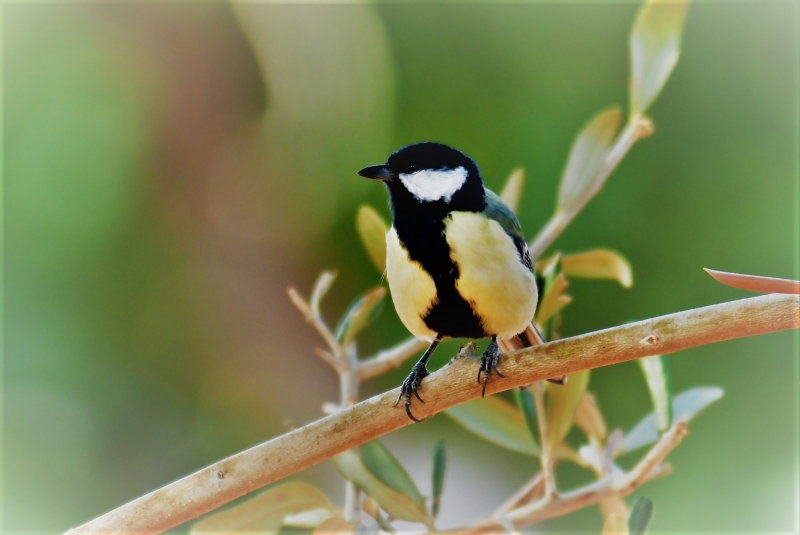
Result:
{"points": [[271, 461], [638, 128], [389, 359]]}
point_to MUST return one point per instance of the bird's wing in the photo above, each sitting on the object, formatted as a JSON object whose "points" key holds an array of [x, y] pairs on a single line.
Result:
{"points": [[498, 211]]}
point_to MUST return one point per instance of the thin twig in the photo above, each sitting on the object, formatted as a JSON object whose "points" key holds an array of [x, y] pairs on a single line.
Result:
{"points": [[532, 490], [329, 357], [638, 127], [615, 484], [271, 461], [389, 359], [349, 379], [316, 321]]}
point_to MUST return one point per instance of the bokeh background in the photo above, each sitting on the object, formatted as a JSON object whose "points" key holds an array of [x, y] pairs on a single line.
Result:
{"points": [[171, 168]]}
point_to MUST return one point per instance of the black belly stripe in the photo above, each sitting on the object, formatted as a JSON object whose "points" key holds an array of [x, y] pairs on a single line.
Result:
{"points": [[452, 315]]}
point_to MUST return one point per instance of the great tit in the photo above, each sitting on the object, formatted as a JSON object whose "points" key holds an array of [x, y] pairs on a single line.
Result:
{"points": [[456, 259]]}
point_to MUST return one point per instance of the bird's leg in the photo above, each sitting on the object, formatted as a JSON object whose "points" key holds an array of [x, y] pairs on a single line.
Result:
{"points": [[489, 361], [414, 379]]}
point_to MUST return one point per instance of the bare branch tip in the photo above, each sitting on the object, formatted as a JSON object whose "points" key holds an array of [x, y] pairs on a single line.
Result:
{"points": [[681, 429], [644, 127]]}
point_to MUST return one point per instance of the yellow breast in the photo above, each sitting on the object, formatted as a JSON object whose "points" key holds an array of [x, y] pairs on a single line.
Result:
{"points": [[491, 277], [413, 290]]}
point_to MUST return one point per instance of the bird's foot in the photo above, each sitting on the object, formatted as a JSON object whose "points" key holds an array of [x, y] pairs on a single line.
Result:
{"points": [[411, 386], [489, 361]]}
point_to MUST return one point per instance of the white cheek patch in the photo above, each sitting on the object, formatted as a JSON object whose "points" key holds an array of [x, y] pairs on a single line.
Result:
{"points": [[433, 185]]}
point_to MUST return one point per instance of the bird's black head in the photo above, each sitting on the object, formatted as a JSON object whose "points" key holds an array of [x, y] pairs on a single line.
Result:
{"points": [[430, 176]]}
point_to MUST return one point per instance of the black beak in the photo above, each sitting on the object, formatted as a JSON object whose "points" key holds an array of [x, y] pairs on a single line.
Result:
{"points": [[377, 172]]}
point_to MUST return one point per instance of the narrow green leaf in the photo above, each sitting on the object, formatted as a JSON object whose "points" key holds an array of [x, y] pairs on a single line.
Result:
{"points": [[656, 373], [372, 231], [396, 503], [496, 421], [361, 313], [265, 512], [512, 191], [641, 513], [579, 182], [561, 402], [685, 406], [388, 469], [321, 287], [655, 48], [598, 264], [439, 464], [528, 410]]}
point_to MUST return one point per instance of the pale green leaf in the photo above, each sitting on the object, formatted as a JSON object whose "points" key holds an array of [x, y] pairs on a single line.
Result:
{"points": [[396, 503], [614, 505], [657, 375], [512, 191], [321, 287], [548, 267], [655, 47], [615, 525], [589, 150], [361, 313], [372, 231], [388, 469], [308, 519], [640, 516], [335, 526], [265, 512], [561, 402], [589, 418], [598, 264], [685, 406], [497, 421], [554, 300]]}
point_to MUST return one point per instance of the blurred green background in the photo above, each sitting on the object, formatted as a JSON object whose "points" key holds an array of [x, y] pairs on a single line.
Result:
{"points": [[171, 168]]}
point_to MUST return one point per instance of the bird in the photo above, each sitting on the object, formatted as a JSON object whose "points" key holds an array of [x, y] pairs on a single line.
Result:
{"points": [[457, 262]]}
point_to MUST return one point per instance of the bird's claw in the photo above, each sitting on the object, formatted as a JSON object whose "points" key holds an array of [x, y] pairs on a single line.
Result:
{"points": [[489, 361], [411, 386]]}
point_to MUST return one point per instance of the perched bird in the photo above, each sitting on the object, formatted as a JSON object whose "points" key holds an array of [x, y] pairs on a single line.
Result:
{"points": [[456, 259]]}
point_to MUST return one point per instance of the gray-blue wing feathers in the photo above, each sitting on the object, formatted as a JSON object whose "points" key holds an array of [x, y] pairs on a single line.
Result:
{"points": [[498, 211]]}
